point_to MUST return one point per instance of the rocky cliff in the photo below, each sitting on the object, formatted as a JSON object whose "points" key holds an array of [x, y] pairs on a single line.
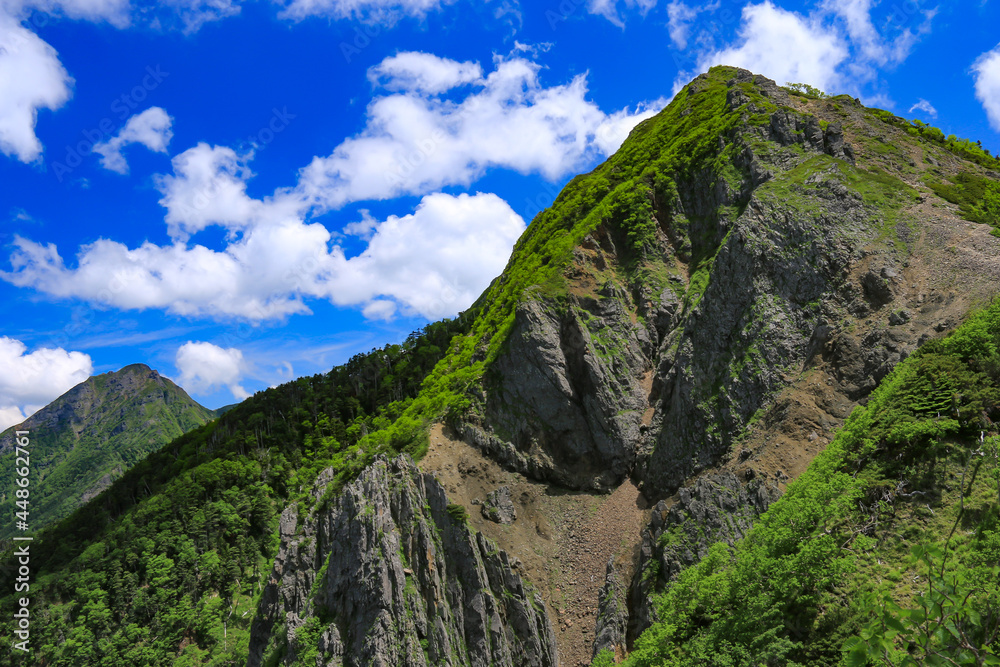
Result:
{"points": [[390, 574], [785, 267]]}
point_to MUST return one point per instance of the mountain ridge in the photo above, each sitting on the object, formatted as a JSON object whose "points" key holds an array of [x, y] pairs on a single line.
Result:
{"points": [[700, 314]]}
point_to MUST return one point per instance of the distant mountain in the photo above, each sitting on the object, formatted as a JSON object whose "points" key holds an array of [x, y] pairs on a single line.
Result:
{"points": [[90, 435]]}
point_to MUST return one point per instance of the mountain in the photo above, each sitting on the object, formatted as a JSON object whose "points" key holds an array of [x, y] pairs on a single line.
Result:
{"points": [[90, 435], [724, 385]]}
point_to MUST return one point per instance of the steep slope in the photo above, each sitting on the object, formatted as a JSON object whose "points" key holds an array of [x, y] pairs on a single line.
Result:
{"points": [[708, 306], [695, 318], [167, 565], [402, 581], [904, 502], [93, 433]]}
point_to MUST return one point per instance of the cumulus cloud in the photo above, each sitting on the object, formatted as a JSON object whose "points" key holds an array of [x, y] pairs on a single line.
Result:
{"points": [[208, 187], [423, 72], [151, 128], [31, 78], [32, 380], [925, 106], [416, 142], [254, 277], [836, 47], [782, 45], [986, 71], [275, 257], [205, 367], [434, 262]]}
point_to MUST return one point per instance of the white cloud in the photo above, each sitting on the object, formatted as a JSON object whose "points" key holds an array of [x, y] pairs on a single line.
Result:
{"points": [[151, 128], [986, 71], [614, 129], [836, 47], [925, 106], [379, 11], [434, 262], [32, 380], [872, 46], [186, 15], [784, 46], [609, 8], [31, 78], [208, 187], [679, 19], [205, 367], [415, 142], [193, 14], [253, 277], [11, 416], [115, 12], [423, 72]]}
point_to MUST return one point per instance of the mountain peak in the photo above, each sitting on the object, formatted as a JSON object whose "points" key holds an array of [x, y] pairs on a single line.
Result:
{"points": [[94, 432]]}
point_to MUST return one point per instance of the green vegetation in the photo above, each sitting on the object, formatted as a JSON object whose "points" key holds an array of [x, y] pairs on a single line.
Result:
{"points": [[94, 433], [805, 90], [458, 512], [978, 197], [679, 145], [918, 465], [963, 148], [165, 566]]}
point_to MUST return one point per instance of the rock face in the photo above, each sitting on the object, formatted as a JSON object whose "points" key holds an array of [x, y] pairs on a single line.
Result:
{"points": [[391, 575], [499, 507], [756, 270], [612, 614], [718, 508], [569, 398], [787, 264]]}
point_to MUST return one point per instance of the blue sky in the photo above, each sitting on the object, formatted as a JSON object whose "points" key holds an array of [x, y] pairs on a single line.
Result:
{"points": [[238, 194]]}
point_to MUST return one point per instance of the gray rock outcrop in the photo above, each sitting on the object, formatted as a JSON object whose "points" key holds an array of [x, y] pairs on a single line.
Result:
{"points": [[717, 508], [499, 506], [612, 613], [391, 575]]}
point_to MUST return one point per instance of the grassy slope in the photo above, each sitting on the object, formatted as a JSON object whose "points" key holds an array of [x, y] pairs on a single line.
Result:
{"points": [[896, 476]]}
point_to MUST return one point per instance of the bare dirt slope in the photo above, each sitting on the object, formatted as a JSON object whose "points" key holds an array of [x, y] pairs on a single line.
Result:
{"points": [[563, 539]]}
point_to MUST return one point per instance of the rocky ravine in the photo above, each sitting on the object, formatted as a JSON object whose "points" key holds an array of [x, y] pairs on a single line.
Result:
{"points": [[390, 575]]}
